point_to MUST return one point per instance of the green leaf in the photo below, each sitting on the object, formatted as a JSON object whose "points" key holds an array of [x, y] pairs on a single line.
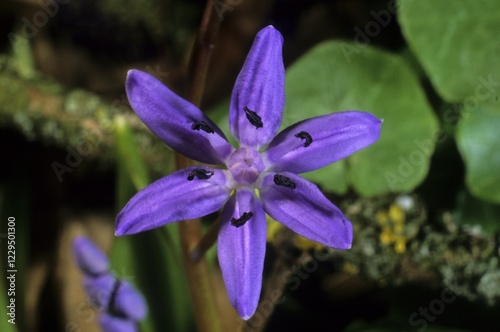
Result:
{"points": [[327, 80], [478, 141], [457, 43], [128, 154]]}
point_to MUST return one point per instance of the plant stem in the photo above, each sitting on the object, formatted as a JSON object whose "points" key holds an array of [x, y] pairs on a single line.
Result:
{"points": [[202, 296], [202, 53], [206, 241]]}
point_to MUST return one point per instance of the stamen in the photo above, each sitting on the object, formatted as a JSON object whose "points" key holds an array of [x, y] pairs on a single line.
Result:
{"points": [[305, 135], [281, 180], [254, 118], [201, 174], [241, 220], [203, 126]]}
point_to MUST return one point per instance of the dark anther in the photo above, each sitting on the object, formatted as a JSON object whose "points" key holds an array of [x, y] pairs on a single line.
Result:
{"points": [[305, 135], [254, 118], [114, 291], [281, 180], [201, 174], [203, 126], [241, 220]]}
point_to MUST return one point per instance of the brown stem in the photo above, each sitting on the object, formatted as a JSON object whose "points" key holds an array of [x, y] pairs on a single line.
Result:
{"points": [[206, 241], [202, 53], [201, 291]]}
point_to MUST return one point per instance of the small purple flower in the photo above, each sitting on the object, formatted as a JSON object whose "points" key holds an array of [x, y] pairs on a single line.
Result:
{"points": [[122, 305], [255, 115]]}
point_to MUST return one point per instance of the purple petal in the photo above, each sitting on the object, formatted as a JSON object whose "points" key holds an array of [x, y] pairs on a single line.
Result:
{"points": [[174, 198], [89, 258], [260, 88], [172, 119], [319, 141], [306, 211], [241, 251], [129, 302], [100, 290], [111, 323]]}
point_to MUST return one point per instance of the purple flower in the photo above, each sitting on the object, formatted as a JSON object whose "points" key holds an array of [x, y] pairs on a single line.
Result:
{"points": [[122, 305], [255, 115]]}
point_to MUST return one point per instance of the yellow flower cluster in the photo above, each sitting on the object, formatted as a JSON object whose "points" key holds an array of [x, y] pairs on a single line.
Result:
{"points": [[392, 223]]}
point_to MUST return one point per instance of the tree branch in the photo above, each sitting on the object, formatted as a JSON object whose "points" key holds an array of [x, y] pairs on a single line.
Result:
{"points": [[72, 119]]}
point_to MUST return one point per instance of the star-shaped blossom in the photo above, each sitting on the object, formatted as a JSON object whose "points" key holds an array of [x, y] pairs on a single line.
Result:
{"points": [[255, 114], [122, 306]]}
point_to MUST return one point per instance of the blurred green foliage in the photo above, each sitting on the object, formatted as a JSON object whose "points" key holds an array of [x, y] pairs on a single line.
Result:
{"points": [[457, 43]]}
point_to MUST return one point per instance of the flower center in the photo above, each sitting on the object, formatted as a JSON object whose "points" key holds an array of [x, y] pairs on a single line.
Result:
{"points": [[245, 165]]}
